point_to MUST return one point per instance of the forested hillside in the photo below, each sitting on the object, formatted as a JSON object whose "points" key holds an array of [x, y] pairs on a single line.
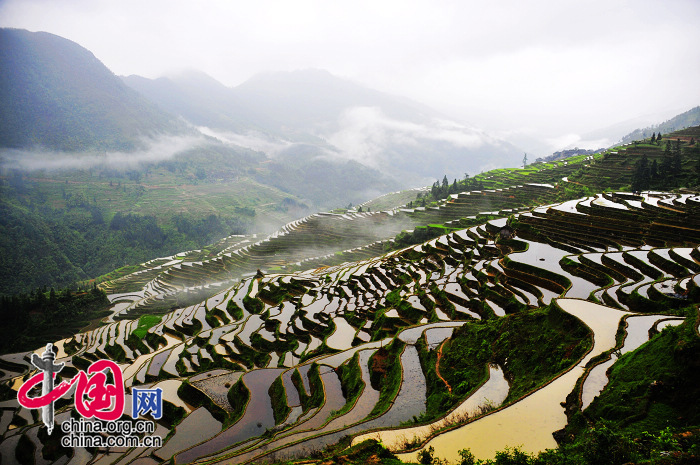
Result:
{"points": [[54, 94], [682, 121]]}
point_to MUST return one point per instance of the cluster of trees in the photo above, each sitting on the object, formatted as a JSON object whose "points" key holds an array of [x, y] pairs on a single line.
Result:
{"points": [[656, 139], [45, 246], [31, 319], [441, 190], [664, 175]]}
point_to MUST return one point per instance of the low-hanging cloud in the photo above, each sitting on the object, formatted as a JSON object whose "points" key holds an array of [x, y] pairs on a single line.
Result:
{"points": [[250, 139], [366, 132], [570, 141], [160, 149]]}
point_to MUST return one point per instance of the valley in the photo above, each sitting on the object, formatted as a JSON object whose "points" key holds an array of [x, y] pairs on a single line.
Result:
{"points": [[426, 323]]}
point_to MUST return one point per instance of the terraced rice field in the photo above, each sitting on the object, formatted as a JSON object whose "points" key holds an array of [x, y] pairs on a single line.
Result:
{"points": [[346, 347]]}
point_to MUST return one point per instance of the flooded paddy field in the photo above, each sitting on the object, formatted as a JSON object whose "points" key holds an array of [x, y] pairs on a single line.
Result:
{"points": [[312, 350]]}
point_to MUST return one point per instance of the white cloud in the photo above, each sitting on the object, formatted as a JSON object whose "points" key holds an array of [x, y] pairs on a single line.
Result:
{"points": [[158, 150], [570, 141], [251, 139], [555, 66], [366, 132]]}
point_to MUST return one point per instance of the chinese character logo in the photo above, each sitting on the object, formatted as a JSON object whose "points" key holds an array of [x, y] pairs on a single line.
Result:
{"points": [[94, 396], [147, 400], [45, 364]]}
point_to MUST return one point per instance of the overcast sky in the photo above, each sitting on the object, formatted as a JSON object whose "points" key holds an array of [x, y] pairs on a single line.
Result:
{"points": [[553, 70]]}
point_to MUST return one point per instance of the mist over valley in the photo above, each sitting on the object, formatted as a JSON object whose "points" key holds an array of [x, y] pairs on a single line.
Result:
{"points": [[321, 232]]}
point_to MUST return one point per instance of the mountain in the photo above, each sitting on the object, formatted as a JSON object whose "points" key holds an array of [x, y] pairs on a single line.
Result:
{"points": [[332, 118], [678, 122], [195, 96], [55, 94]]}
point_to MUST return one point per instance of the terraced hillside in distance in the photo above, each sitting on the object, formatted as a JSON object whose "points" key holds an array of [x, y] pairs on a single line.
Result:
{"points": [[430, 325]]}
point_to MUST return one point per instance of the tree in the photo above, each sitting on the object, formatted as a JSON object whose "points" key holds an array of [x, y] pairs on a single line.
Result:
{"points": [[676, 163], [653, 137], [525, 160], [640, 178], [665, 168], [654, 170]]}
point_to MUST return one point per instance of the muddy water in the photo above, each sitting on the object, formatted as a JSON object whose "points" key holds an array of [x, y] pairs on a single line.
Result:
{"points": [[137, 364], [666, 323], [530, 422], [547, 257], [364, 404], [170, 387], [409, 402], [157, 362], [290, 389], [169, 366], [435, 336], [343, 335], [334, 401], [411, 335], [256, 419], [338, 359], [195, 428], [493, 393], [637, 334], [252, 324]]}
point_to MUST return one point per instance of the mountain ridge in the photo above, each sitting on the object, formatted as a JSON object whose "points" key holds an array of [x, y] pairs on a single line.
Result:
{"points": [[56, 94], [343, 119]]}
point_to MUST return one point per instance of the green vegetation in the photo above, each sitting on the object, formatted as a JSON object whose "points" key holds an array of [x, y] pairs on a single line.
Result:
{"points": [[552, 337], [253, 304], [44, 245], [145, 323], [602, 444], [234, 310], [60, 97], [278, 399], [655, 386], [647, 408], [316, 397], [386, 374], [684, 120], [238, 396], [29, 320], [351, 382]]}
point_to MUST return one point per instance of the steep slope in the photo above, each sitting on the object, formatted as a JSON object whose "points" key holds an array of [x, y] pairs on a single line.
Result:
{"points": [[55, 94], [678, 122]]}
